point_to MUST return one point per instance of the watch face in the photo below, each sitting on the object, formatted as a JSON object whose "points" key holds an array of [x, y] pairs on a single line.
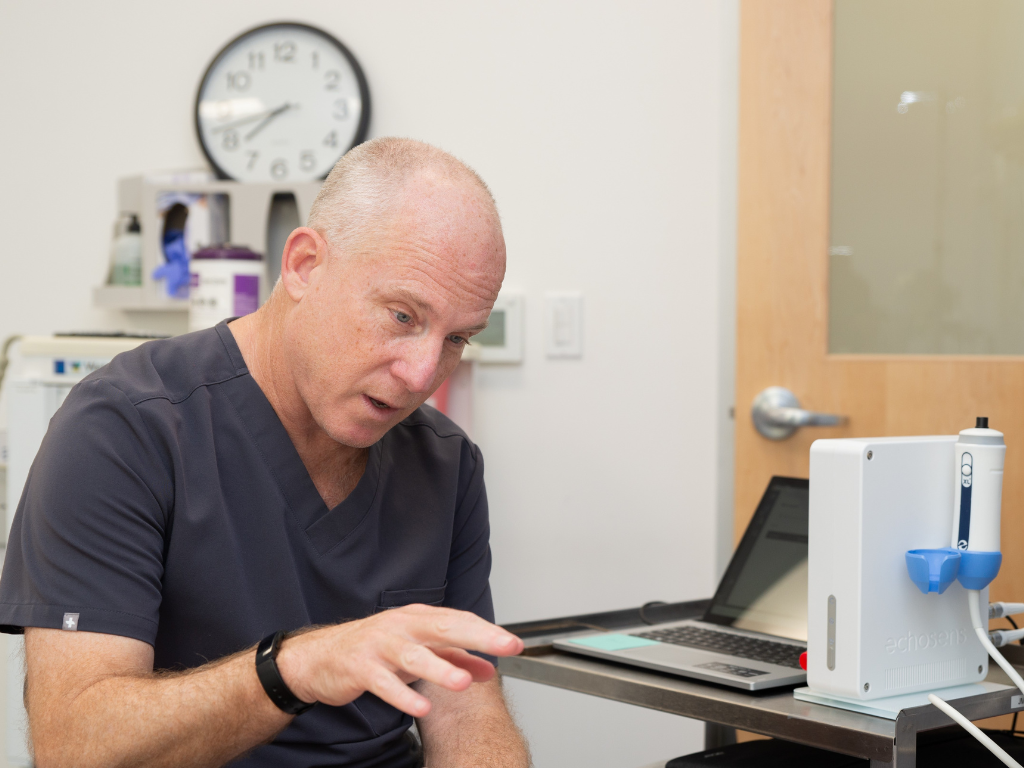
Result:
{"points": [[281, 103]]}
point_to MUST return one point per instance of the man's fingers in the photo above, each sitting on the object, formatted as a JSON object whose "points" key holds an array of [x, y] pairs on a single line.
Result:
{"points": [[445, 627], [388, 687], [481, 669], [385, 652], [423, 664]]}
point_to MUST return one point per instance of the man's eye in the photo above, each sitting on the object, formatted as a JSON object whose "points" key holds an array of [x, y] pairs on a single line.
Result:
{"points": [[458, 339], [403, 317]]}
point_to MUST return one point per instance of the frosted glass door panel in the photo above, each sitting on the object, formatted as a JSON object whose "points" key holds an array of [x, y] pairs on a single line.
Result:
{"points": [[927, 207]]}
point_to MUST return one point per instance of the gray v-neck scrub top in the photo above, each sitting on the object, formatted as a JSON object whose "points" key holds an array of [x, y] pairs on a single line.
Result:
{"points": [[167, 503]]}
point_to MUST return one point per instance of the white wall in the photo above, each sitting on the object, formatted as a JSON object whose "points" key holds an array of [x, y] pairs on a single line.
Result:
{"points": [[606, 131]]}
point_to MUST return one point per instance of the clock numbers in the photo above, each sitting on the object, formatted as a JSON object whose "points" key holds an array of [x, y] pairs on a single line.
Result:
{"points": [[280, 104], [238, 81], [284, 51]]}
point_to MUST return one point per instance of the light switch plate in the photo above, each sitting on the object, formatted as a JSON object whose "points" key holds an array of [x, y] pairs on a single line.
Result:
{"points": [[563, 317]]}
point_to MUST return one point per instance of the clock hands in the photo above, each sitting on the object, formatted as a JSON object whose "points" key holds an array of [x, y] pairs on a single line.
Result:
{"points": [[270, 116], [242, 121]]}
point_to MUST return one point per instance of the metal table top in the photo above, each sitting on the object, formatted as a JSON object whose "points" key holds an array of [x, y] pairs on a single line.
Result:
{"points": [[773, 713]]}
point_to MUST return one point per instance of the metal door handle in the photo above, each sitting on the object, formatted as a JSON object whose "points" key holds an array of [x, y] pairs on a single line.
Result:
{"points": [[777, 414]]}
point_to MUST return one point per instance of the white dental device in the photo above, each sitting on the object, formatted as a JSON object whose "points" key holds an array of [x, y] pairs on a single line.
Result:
{"points": [[871, 632], [872, 499]]}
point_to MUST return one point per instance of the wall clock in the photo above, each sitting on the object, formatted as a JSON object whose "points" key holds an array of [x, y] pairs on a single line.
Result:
{"points": [[281, 102]]}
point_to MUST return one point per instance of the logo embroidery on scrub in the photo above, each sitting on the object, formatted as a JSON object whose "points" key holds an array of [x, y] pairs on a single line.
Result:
{"points": [[70, 622]]}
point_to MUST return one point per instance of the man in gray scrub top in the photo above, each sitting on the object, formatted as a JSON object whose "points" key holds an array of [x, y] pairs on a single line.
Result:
{"points": [[224, 529]]}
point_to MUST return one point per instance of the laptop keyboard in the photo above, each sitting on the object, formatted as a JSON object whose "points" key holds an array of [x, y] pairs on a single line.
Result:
{"points": [[729, 644]]}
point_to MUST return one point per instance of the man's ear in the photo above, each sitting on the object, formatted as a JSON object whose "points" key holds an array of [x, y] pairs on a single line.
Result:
{"points": [[304, 251]]}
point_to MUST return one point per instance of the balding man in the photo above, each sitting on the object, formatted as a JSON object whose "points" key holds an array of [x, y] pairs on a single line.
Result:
{"points": [[276, 478]]}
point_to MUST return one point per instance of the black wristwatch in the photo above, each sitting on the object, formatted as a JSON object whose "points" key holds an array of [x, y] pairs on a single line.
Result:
{"points": [[270, 676]]}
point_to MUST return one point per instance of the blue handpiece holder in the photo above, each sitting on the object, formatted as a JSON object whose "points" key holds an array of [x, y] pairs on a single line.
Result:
{"points": [[977, 569], [933, 570]]}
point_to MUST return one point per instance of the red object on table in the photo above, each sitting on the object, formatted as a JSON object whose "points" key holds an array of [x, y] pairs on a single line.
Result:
{"points": [[803, 661]]}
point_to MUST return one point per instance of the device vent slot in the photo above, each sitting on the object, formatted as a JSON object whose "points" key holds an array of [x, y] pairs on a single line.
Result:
{"points": [[920, 674]]}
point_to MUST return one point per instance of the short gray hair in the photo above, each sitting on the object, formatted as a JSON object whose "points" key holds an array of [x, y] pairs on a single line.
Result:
{"points": [[365, 185]]}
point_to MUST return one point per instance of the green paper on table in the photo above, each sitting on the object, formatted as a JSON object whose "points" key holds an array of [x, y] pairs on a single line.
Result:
{"points": [[614, 642]]}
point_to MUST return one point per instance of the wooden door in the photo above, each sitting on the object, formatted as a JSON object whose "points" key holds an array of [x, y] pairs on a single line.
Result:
{"points": [[782, 286]]}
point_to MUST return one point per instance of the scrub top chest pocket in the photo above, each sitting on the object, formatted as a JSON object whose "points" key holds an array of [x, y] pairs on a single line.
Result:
{"points": [[396, 598]]}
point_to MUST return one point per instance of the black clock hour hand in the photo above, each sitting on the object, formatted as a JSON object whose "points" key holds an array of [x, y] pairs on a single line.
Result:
{"points": [[244, 120], [270, 116]]}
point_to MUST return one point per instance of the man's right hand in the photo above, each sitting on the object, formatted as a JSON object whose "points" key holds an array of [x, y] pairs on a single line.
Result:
{"points": [[94, 702], [385, 652]]}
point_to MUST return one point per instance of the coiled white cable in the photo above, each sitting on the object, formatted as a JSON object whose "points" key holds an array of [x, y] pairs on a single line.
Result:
{"points": [[981, 630]]}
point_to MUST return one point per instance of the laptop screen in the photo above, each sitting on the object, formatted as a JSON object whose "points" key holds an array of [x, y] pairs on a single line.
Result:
{"points": [[765, 586]]}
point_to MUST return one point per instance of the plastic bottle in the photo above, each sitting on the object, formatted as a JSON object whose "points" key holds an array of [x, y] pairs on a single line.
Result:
{"points": [[126, 255]]}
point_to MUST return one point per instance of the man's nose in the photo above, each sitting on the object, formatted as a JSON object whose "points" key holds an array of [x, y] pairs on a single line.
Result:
{"points": [[418, 367]]}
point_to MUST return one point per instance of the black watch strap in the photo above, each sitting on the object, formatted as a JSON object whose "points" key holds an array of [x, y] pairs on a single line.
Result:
{"points": [[270, 676]]}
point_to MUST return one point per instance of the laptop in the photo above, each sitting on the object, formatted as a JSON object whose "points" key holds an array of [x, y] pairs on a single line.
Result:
{"points": [[755, 628]]}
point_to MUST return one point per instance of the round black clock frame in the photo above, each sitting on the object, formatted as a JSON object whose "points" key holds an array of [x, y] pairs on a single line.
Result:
{"points": [[364, 89]]}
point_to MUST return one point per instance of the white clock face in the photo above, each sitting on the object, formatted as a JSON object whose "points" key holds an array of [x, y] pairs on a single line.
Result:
{"points": [[281, 103]]}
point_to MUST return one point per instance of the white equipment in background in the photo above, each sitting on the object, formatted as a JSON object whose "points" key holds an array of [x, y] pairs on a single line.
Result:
{"points": [[871, 631], [883, 515], [40, 376]]}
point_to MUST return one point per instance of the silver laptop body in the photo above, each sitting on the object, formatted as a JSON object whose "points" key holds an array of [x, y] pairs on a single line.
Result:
{"points": [[755, 628]]}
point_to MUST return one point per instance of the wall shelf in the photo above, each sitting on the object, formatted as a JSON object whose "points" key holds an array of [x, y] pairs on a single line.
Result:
{"points": [[248, 216]]}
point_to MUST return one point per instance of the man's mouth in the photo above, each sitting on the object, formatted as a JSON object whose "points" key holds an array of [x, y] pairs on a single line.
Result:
{"points": [[379, 403]]}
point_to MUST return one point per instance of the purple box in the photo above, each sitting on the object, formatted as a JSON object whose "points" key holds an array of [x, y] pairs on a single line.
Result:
{"points": [[247, 294]]}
